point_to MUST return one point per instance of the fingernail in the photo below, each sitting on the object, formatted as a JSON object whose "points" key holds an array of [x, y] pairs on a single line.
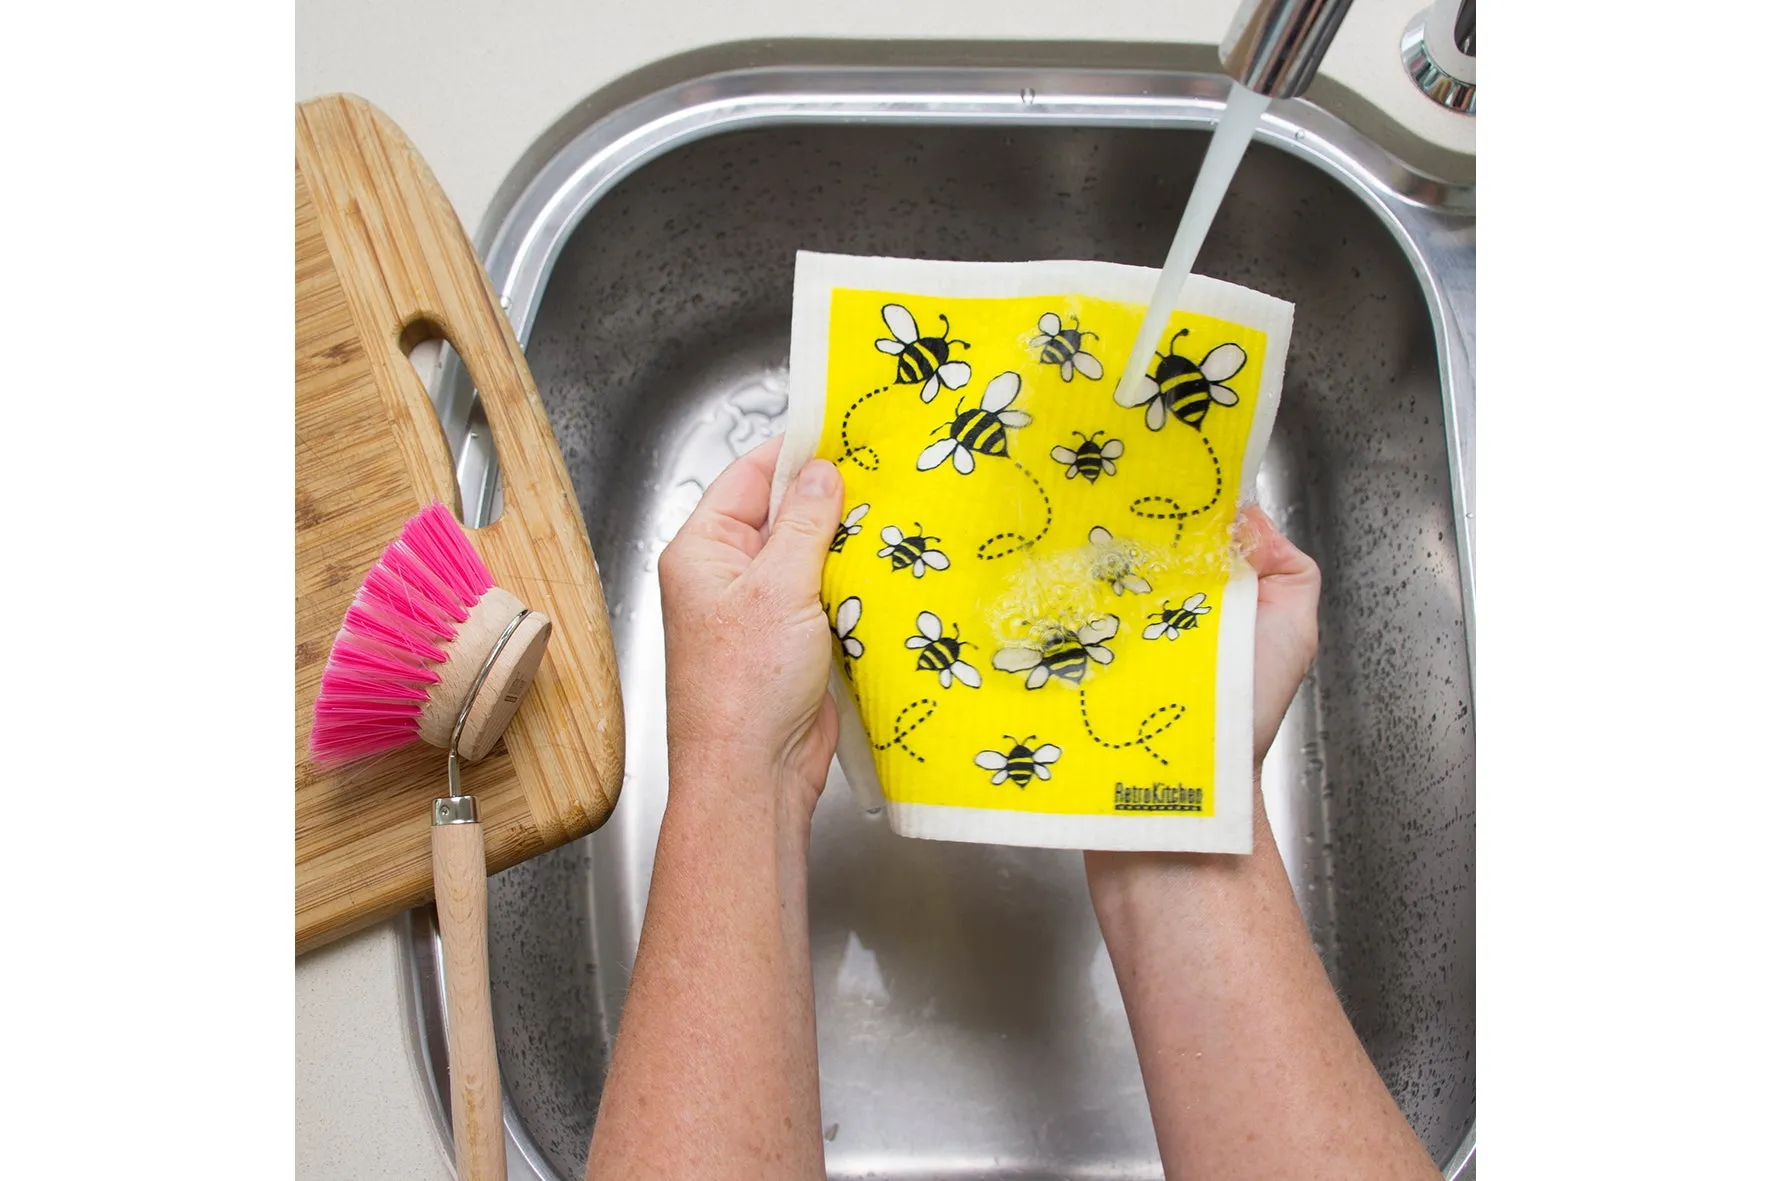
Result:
{"points": [[819, 478]]}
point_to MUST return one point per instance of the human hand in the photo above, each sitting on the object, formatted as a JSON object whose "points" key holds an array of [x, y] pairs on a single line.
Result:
{"points": [[1285, 619], [1259, 1074], [747, 644]]}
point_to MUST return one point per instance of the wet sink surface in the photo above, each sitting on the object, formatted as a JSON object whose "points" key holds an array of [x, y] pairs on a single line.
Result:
{"points": [[968, 1020]]}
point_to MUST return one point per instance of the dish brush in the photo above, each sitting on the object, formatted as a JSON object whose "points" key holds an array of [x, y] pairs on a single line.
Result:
{"points": [[431, 651]]}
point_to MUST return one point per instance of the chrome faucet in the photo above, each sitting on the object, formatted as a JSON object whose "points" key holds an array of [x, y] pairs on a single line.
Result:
{"points": [[1440, 53], [1275, 46]]}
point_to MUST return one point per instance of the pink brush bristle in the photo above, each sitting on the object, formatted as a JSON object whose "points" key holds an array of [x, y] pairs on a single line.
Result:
{"points": [[384, 592], [355, 659], [394, 633], [419, 582], [373, 689], [441, 545]]}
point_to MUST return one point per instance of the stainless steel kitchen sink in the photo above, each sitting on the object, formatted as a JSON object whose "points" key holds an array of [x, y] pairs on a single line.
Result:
{"points": [[968, 1021]]}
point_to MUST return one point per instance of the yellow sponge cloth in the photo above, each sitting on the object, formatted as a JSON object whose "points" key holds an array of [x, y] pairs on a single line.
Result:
{"points": [[1042, 629]]}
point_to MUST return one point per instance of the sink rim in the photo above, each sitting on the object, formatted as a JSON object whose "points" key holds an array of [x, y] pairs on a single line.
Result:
{"points": [[1433, 223], [528, 240]]}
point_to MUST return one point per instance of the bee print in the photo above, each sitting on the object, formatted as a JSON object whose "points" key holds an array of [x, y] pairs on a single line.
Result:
{"points": [[1023, 761], [983, 430], [1090, 459], [1063, 347], [843, 628], [911, 552], [940, 654], [850, 526], [1172, 621], [1175, 385], [1113, 564], [922, 360], [1062, 653]]}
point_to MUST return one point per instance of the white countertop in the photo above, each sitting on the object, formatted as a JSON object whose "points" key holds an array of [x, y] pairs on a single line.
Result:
{"points": [[474, 86]]}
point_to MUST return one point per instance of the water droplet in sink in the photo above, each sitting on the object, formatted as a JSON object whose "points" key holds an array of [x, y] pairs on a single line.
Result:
{"points": [[767, 395], [757, 409], [678, 503], [858, 974]]}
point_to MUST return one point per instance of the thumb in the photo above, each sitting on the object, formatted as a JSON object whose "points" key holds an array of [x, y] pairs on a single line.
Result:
{"points": [[1269, 551], [801, 535], [1285, 620]]}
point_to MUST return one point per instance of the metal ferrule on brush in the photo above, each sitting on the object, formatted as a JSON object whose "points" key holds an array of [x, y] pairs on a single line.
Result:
{"points": [[454, 810]]}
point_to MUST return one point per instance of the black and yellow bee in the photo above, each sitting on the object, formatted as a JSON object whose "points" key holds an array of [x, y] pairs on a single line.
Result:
{"points": [[913, 551], [1023, 761], [850, 526], [940, 654], [1114, 563], [984, 430], [1062, 653], [1090, 459], [1172, 621], [1175, 385], [1063, 347], [843, 628], [922, 360]]}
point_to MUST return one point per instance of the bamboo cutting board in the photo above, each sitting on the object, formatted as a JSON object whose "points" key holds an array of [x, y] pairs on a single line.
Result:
{"points": [[381, 263]]}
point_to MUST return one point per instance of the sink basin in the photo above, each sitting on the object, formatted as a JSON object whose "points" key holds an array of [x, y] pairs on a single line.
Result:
{"points": [[968, 1020]]}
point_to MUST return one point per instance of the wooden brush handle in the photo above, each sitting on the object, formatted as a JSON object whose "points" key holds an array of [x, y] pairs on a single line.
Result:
{"points": [[458, 865]]}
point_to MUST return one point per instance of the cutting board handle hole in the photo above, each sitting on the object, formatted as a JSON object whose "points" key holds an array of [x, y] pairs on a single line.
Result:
{"points": [[462, 417]]}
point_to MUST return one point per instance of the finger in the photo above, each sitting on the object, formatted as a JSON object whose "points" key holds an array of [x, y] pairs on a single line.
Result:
{"points": [[801, 536], [1287, 578], [735, 507], [763, 457], [1285, 619], [1270, 551]]}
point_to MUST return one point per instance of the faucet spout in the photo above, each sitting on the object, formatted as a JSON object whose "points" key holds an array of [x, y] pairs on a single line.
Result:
{"points": [[1275, 46]]}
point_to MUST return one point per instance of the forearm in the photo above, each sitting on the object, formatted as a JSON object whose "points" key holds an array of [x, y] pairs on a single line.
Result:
{"points": [[1251, 1067], [715, 1067]]}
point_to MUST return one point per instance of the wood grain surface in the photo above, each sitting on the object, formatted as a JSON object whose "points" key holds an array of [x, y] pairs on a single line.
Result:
{"points": [[381, 263], [476, 1104]]}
